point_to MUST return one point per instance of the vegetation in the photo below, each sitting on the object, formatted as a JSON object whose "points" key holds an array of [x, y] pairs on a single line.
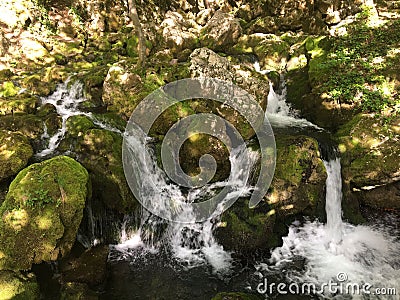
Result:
{"points": [[359, 68]]}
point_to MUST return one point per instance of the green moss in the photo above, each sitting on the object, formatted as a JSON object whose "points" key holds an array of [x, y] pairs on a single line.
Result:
{"points": [[77, 125], [8, 89], [370, 150], [100, 151], [15, 151], [17, 104], [292, 161], [42, 212], [17, 286], [131, 46], [30, 126], [247, 230]]}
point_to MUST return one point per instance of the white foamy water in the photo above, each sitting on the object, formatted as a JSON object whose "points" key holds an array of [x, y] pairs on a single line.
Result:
{"points": [[365, 254], [67, 99], [190, 244], [279, 113]]}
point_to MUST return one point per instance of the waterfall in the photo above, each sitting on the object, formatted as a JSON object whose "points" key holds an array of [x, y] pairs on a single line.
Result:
{"points": [[189, 244], [67, 99], [333, 205], [362, 254], [279, 112]]}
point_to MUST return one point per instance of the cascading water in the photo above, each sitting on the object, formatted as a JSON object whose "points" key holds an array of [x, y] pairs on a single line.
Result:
{"points": [[67, 99], [359, 254], [333, 207], [190, 244], [279, 112], [335, 251]]}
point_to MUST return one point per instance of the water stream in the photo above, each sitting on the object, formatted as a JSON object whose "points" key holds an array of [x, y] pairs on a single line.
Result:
{"points": [[317, 253], [312, 252], [67, 99]]}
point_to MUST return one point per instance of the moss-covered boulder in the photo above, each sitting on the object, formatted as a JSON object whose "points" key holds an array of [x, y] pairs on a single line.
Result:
{"points": [[248, 231], [371, 159], [298, 188], [299, 181], [30, 126], [18, 286], [15, 151], [125, 86], [198, 145], [100, 152], [236, 296], [271, 51], [42, 212], [22, 103]]}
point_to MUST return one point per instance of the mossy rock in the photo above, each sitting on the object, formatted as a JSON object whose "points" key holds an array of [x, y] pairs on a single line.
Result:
{"points": [[370, 160], [78, 125], [370, 150], [37, 86], [15, 151], [272, 52], [18, 104], [93, 80], [298, 188], [125, 85], [8, 89], [42, 213], [111, 119], [236, 296], [28, 125], [247, 231], [17, 286], [100, 152]]}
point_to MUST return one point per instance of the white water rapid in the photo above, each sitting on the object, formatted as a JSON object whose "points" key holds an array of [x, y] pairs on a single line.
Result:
{"points": [[190, 245], [67, 99], [364, 256]]}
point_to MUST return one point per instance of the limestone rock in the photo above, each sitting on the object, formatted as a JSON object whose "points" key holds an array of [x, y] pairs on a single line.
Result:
{"points": [[178, 33], [222, 31]]}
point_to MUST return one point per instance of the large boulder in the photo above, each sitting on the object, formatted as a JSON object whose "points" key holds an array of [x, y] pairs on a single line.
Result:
{"points": [[15, 151], [206, 63], [18, 286], [272, 52], [178, 32], [222, 31], [125, 86], [42, 212], [370, 158], [100, 152]]}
